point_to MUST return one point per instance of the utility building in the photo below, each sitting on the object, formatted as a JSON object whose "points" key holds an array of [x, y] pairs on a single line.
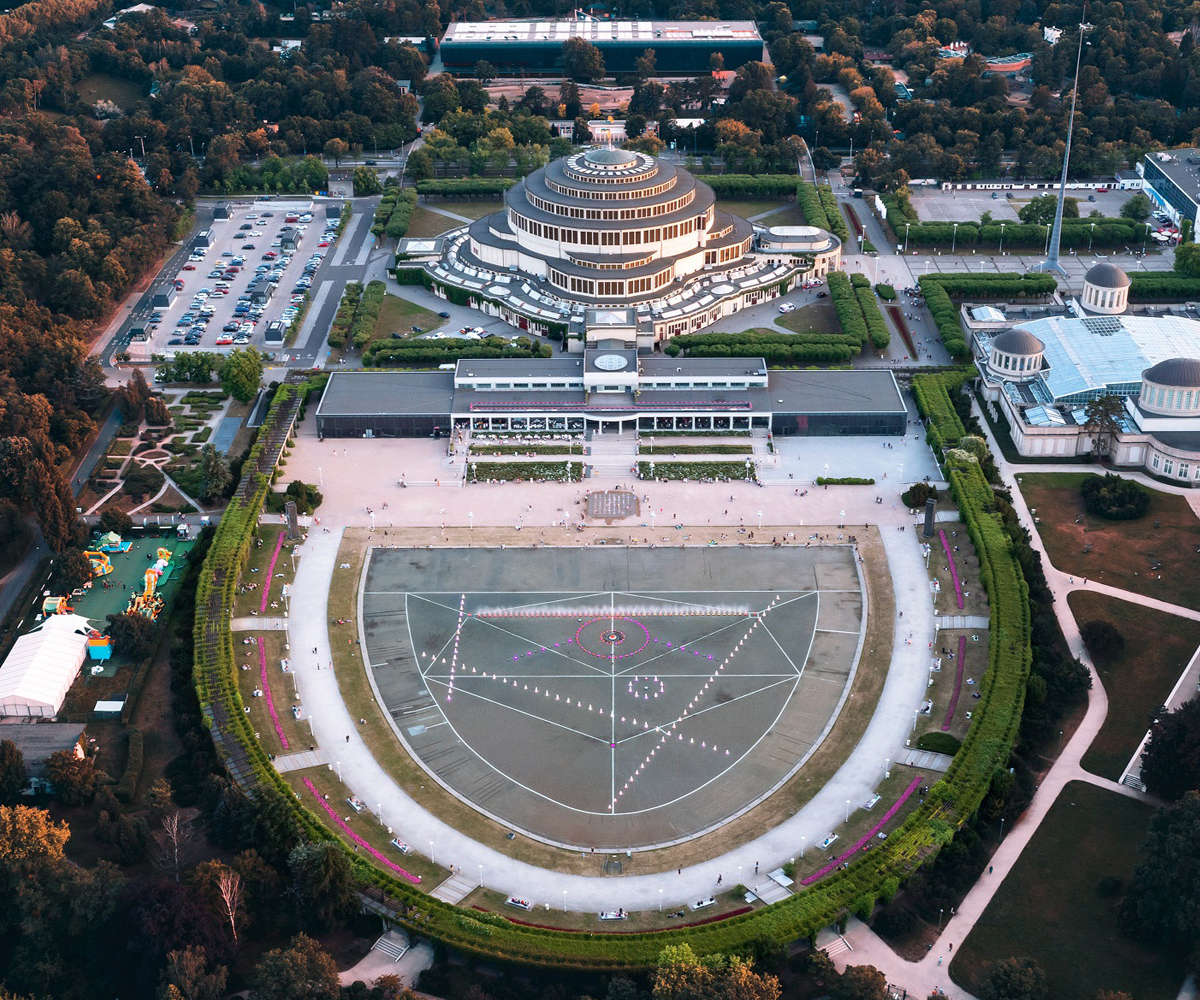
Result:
{"points": [[681, 48]]}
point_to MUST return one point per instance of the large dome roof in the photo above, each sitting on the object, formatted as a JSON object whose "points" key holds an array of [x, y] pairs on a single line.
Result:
{"points": [[1106, 275], [1182, 372], [1018, 342], [610, 157]]}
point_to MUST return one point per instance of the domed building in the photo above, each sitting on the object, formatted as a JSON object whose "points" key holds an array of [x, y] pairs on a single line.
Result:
{"points": [[609, 230], [1016, 355], [1106, 290]]}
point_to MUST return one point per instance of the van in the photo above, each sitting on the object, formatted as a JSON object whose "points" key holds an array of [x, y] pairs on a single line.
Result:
{"points": [[447, 368]]}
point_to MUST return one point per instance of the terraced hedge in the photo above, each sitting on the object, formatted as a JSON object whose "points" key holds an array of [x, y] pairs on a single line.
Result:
{"points": [[870, 876], [932, 393], [938, 288]]}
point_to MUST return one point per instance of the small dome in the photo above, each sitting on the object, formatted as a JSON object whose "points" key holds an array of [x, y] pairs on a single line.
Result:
{"points": [[1018, 342], [1106, 275], [1179, 372], [610, 157]]}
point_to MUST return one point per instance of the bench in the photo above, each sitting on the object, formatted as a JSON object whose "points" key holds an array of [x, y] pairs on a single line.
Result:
{"points": [[828, 841], [614, 915], [700, 904], [356, 804], [520, 904], [401, 846], [871, 802]]}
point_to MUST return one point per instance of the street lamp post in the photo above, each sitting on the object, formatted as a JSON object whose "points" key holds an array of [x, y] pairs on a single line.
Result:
{"points": [[954, 238], [564, 900], [1091, 234], [906, 227], [803, 840], [760, 520], [1002, 225], [471, 520], [660, 900], [847, 810], [481, 876], [941, 913], [431, 861], [1047, 249], [1145, 238]]}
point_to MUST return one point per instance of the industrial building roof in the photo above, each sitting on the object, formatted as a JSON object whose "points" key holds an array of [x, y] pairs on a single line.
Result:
{"points": [[557, 32], [375, 393]]}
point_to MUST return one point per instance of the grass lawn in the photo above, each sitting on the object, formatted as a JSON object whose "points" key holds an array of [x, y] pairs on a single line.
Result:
{"points": [[102, 87], [818, 317], [256, 567], [1049, 909], [471, 209], [1122, 552], [1157, 648], [399, 315], [790, 216], [427, 223], [748, 209]]}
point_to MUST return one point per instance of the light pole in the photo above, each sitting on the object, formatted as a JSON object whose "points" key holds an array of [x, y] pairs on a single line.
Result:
{"points": [[1002, 829], [321, 475], [906, 228], [887, 764], [760, 520], [564, 900], [481, 876], [1091, 234], [941, 912], [847, 810], [431, 861], [1002, 225], [1145, 238], [802, 842], [1051, 262], [1060, 736], [660, 900], [471, 520], [339, 770], [954, 238]]}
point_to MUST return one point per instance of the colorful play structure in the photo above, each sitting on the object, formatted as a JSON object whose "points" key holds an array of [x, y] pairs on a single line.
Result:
{"points": [[112, 542], [99, 646], [148, 602], [101, 565], [56, 606]]}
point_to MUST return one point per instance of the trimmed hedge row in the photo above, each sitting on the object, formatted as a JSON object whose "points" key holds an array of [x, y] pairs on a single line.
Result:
{"points": [[937, 289], [384, 210], [422, 353], [869, 877], [775, 348], [1075, 233], [694, 470], [837, 222], [876, 327], [343, 319], [810, 204], [127, 786], [932, 392], [366, 316], [1152, 287], [457, 186], [750, 185], [397, 224], [510, 471]]}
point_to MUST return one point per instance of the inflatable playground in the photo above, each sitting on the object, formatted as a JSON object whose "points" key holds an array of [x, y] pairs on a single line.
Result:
{"points": [[149, 602]]}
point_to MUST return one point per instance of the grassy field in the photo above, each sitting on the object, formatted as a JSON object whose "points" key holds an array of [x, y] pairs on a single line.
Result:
{"points": [[1049, 908], [472, 209], [790, 216], [102, 87], [1121, 552], [398, 315], [1157, 648], [748, 209], [426, 223], [819, 317]]}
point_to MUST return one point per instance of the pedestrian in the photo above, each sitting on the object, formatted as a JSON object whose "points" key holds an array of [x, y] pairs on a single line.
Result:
{"points": [[680, 872], [755, 867], [347, 739], [990, 867], [719, 877], [951, 946]]}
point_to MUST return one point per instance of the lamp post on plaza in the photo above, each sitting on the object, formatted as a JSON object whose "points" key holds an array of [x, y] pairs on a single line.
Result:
{"points": [[471, 520], [481, 876], [1091, 234], [941, 913], [564, 900], [321, 476], [760, 520], [847, 810], [954, 238], [660, 900], [1145, 238], [431, 861], [1002, 225], [1047, 250], [906, 228], [802, 842]]}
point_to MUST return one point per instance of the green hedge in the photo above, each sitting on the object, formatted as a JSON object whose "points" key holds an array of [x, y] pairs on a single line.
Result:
{"points": [[810, 204], [1155, 287], [384, 210], [366, 316], [551, 471], [343, 319], [932, 393], [127, 786], [750, 185], [845, 301], [844, 481], [938, 288], [401, 217], [459, 186], [776, 348], [951, 800], [423, 353], [1077, 233], [876, 327], [694, 470], [837, 222]]}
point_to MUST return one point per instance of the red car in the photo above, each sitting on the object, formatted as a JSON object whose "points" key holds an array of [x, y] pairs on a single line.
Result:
{"points": [[189, 267]]}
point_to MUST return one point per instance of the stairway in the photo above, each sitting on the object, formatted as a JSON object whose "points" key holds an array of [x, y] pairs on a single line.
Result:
{"points": [[611, 456], [393, 944]]}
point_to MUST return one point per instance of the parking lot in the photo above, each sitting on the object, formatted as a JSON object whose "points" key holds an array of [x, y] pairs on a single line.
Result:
{"points": [[246, 281], [936, 205]]}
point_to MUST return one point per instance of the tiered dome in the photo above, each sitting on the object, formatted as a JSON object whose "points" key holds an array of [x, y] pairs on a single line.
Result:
{"points": [[610, 225]]}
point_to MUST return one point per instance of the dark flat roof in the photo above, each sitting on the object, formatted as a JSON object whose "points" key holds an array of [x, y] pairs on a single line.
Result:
{"points": [[869, 390], [370, 393], [560, 366]]}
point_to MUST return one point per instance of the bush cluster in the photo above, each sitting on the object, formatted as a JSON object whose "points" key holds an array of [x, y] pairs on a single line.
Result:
{"points": [[938, 289], [844, 481], [837, 223], [425, 353], [858, 312], [750, 185], [465, 186], [810, 204], [1152, 287], [366, 316], [1115, 497], [1075, 233], [777, 349], [343, 319]]}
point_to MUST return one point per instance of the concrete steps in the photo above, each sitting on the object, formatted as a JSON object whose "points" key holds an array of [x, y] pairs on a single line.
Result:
{"points": [[455, 889]]}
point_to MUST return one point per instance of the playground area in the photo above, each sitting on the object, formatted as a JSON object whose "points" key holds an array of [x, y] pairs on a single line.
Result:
{"points": [[623, 701]]}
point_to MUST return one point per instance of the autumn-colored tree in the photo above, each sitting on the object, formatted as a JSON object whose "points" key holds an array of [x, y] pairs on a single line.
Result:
{"points": [[29, 835]]}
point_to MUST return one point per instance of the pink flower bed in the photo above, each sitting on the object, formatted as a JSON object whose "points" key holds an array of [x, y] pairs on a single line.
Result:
{"points": [[962, 655], [262, 608], [870, 834], [385, 861], [958, 592], [266, 687]]}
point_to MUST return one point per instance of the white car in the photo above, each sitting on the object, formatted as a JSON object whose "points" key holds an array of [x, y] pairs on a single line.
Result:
{"points": [[787, 307]]}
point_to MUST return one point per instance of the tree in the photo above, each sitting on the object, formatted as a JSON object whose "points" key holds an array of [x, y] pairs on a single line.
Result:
{"points": [[335, 149], [29, 836], [485, 72], [647, 65], [172, 839], [241, 373], [682, 976], [300, 972], [1103, 640], [582, 60], [132, 635], [366, 182], [132, 396], [74, 778], [1115, 497], [1102, 421], [116, 520], [1187, 259], [1161, 902], [188, 977], [1040, 211], [72, 569], [568, 96], [323, 882], [229, 886], [861, 982], [1136, 208], [1171, 760], [1014, 979], [215, 474], [12, 771]]}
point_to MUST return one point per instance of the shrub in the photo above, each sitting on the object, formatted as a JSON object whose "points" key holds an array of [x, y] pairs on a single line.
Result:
{"points": [[916, 495], [143, 479], [1114, 497], [885, 292], [1102, 639], [127, 786], [939, 743], [895, 921], [844, 481]]}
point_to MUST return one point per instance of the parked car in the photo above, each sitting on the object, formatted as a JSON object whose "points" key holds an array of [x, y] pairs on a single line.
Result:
{"points": [[444, 315], [787, 307]]}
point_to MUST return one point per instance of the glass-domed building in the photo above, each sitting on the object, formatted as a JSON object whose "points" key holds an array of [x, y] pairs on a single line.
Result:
{"points": [[611, 229]]}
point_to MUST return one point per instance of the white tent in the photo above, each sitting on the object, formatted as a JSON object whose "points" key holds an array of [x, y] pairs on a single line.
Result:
{"points": [[38, 672]]}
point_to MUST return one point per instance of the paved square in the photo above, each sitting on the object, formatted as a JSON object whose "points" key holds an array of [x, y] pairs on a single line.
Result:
{"points": [[612, 697]]}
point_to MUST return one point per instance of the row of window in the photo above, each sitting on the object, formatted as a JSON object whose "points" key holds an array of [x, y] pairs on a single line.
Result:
{"points": [[1168, 467], [1172, 399], [611, 214], [647, 192], [611, 289], [1011, 363], [611, 266], [606, 238]]}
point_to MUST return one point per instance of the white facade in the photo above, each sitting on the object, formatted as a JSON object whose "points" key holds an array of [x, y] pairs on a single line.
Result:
{"points": [[42, 665]]}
